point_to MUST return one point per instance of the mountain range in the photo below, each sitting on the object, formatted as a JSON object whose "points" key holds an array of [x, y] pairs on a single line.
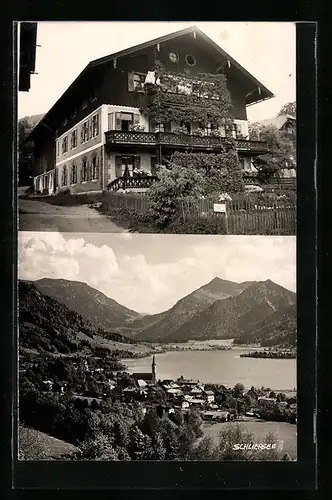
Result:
{"points": [[91, 304], [251, 312], [46, 324], [277, 329]]}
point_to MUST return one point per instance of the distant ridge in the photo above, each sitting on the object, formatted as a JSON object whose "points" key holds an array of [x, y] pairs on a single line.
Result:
{"points": [[160, 327], [90, 303], [229, 317]]}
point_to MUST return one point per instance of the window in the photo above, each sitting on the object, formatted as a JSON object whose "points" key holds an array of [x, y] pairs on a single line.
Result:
{"points": [[73, 174], [187, 125], [95, 125], [84, 132], [190, 60], [64, 178], [73, 139], [123, 120], [84, 103], [136, 82], [173, 57], [65, 145], [153, 163], [160, 127], [73, 113], [64, 122], [57, 148], [84, 175], [139, 80], [94, 168], [207, 129]]}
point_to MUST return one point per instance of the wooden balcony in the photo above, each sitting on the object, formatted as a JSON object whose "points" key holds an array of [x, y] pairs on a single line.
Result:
{"points": [[141, 182], [168, 139]]}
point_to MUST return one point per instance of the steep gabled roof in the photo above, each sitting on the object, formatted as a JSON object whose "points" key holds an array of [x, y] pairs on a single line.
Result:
{"points": [[278, 121], [259, 92]]}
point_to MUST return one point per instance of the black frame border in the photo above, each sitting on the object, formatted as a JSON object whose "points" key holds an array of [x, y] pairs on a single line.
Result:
{"points": [[189, 475]]}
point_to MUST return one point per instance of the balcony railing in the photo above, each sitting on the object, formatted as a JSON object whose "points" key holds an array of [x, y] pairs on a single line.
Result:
{"points": [[143, 181], [178, 140], [130, 137]]}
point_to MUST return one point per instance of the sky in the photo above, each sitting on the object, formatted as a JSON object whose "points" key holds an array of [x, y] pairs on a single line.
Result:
{"points": [[149, 273], [265, 49]]}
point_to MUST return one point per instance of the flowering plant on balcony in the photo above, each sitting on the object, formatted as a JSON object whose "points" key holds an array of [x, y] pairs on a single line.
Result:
{"points": [[141, 172], [215, 132], [199, 131], [136, 127], [180, 130]]}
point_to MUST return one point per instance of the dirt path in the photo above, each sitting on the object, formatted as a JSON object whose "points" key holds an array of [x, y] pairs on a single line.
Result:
{"points": [[39, 216]]}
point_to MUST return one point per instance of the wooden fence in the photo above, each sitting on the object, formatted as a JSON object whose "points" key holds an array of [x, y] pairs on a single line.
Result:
{"points": [[244, 215], [135, 202], [256, 214]]}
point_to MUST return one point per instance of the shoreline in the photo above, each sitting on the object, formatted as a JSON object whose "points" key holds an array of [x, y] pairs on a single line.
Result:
{"points": [[193, 347]]}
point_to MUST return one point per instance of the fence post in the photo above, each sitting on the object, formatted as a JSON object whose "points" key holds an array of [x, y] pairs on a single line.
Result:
{"points": [[226, 217]]}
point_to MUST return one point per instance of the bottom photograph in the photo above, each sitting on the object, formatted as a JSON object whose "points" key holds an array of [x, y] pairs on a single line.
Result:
{"points": [[156, 347]]}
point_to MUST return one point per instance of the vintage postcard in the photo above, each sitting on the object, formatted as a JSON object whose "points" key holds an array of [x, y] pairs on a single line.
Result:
{"points": [[157, 249]]}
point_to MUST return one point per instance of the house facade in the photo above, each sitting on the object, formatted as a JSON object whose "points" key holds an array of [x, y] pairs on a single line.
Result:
{"points": [[95, 136]]}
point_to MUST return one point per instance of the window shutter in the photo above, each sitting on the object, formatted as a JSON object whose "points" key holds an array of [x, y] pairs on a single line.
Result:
{"points": [[131, 86], [137, 162], [117, 121], [97, 167], [89, 169], [90, 129], [82, 137], [97, 124], [110, 121], [136, 118], [118, 166]]}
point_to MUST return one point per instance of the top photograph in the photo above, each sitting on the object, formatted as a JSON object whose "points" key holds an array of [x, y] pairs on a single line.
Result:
{"points": [[157, 127]]}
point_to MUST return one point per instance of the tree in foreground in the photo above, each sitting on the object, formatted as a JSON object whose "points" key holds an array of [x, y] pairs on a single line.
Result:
{"points": [[281, 153], [288, 109]]}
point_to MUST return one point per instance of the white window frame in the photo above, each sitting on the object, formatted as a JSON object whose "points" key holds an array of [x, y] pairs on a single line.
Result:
{"points": [[95, 125], [65, 144], [71, 138], [85, 127], [74, 166], [94, 168]]}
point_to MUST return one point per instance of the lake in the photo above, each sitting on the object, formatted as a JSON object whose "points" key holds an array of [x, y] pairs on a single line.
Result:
{"points": [[221, 367]]}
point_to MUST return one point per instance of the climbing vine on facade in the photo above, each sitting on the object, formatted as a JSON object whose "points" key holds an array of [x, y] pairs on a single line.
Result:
{"points": [[202, 99]]}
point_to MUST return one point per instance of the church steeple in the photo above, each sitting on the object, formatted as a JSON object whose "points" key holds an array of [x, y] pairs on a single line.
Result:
{"points": [[153, 370]]}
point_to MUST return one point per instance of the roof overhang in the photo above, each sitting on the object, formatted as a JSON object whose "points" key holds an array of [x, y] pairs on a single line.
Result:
{"points": [[257, 93]]}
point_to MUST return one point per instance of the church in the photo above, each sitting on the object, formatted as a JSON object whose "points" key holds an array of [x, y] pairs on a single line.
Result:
{"points": [[148, 378]]}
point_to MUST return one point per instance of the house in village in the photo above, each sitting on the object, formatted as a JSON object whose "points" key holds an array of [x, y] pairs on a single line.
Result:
{"points": [[95, 136], [284, 123], [208, 396]]}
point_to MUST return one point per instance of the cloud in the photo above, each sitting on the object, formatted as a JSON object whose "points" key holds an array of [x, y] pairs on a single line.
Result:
{"points": [[182, 264]]}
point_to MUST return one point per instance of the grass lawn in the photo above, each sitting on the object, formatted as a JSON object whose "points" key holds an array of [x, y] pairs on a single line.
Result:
{"points": [[37, 445], [285, 432]]}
